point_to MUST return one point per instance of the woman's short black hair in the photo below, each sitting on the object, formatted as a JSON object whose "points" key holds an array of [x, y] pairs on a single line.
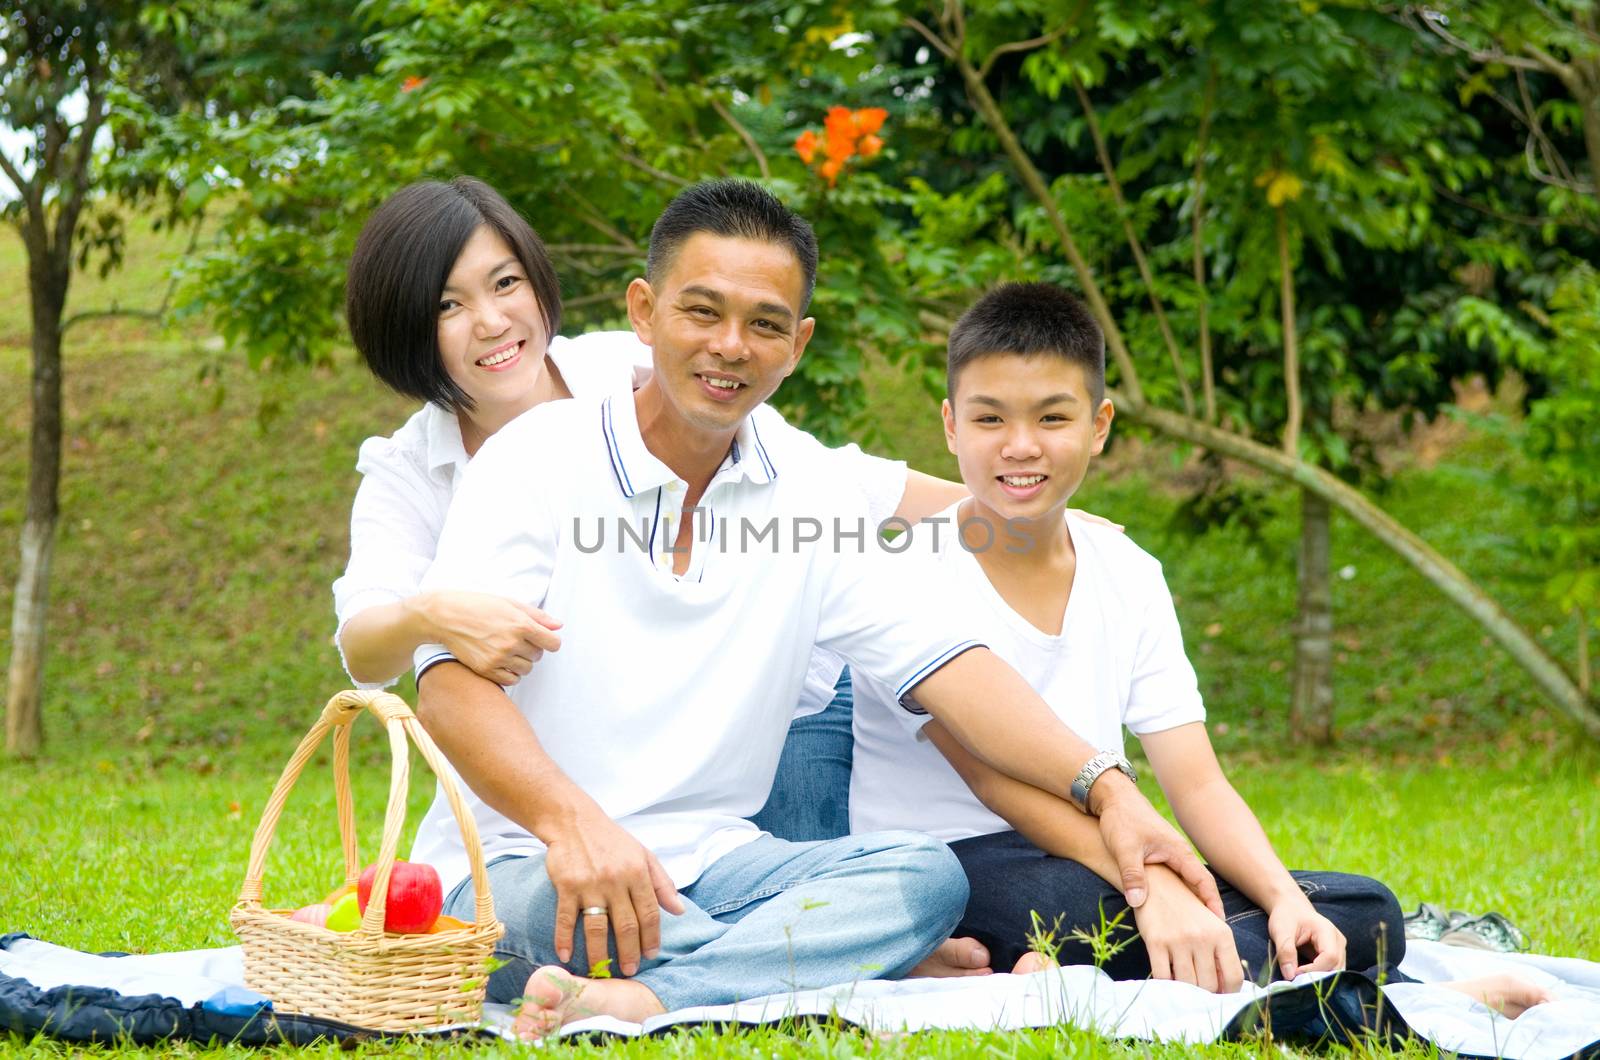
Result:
{"points": [[402, 259]]}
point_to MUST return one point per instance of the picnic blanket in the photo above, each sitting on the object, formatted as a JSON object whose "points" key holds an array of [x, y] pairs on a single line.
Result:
{"points": [[199, 994]]}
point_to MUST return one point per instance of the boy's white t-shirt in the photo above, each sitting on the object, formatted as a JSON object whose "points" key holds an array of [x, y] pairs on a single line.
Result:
{"points": [[1118, 661]]}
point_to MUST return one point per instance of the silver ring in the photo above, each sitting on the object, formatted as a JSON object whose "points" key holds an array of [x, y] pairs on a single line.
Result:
{"points": [[593, 910]]}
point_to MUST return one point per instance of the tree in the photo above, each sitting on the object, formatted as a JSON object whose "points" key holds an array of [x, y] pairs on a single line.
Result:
{"points": [[974, 45], [81, 80], [589, 116], [1536, 296]]}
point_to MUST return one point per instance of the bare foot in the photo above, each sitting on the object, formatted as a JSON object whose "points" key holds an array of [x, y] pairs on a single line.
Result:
{"points": [[1031, 962], [1506, 994], [954, 957], [555, 997]]}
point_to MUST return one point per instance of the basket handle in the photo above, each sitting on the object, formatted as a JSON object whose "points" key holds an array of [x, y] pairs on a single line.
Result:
{"points": [[400, 723]]}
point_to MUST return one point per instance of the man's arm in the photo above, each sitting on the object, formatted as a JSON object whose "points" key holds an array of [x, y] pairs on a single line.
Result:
{"points": [[1229, 834], [591, 861], [1184, 940], [992, 711]]}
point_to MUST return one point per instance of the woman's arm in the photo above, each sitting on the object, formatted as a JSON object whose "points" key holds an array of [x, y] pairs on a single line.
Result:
{"points": [[383, 614], [1231, 838], [926, 496], [495, 637]]}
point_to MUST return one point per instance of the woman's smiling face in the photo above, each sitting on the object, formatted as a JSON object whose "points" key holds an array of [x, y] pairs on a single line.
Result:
{"points": [[492, 337]]}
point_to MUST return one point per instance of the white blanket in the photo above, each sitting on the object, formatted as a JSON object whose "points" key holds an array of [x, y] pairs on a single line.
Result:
{"points": [[1083, 996]]}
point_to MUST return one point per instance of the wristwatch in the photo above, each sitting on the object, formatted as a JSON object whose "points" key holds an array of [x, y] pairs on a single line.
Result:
{"points": [[1091, 772]]}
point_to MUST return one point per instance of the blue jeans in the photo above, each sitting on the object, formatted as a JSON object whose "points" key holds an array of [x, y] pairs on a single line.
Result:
{"points": [[810, 797], [1010, 878], [768, 918]]}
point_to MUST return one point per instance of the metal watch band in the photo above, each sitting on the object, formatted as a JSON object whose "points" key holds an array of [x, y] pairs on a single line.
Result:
{"points": [[1091, 772]]}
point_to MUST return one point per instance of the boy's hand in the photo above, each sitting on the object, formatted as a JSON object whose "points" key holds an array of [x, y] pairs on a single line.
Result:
{"points": [[1185, 940], [1136, 836], [1295, 928]]}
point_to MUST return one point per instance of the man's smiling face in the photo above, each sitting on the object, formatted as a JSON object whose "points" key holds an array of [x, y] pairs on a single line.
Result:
{"points": [[724, 320]]}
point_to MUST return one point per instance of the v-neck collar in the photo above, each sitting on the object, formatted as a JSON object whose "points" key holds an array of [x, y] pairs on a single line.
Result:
{"points": [[1011, 615]]}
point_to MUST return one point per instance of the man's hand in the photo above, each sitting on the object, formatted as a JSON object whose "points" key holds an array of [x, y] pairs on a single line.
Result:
{"points": [[1136, 835], [1185, 940], [1296, 928], [497, 638], [595, 863]]}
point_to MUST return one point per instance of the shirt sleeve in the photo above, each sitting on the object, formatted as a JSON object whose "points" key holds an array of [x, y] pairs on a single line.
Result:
{"points": [[394, 527], [880, 612], [600, 362], [879, 483], [500, 534], [882, 481], [1164, 692]]}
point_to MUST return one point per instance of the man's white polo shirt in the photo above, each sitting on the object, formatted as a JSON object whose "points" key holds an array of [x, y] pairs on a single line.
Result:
{"points": [[670, 698]]}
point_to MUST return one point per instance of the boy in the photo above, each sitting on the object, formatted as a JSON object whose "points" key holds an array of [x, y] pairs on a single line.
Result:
{"points": [[1085, 616]]}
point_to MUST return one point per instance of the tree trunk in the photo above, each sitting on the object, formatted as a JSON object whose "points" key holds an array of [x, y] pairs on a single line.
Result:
{"points": [[1311, 708], [1443, 575], [48, 279]]}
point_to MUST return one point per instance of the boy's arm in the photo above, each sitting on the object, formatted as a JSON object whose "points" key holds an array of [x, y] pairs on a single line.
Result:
{"points": [[1232, 840], [1184, 939], [989, 708], [1053, 825]]}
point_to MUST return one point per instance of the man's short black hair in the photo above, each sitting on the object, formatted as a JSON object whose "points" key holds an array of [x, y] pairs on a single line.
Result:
{"points": [[733, 209], [402, 259], [1029, 320]]}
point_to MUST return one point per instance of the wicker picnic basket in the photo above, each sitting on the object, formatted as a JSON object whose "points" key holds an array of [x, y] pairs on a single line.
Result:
{"points": [[367, 977]]}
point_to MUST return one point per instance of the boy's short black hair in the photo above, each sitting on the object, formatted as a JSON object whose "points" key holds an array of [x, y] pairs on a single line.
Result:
{"points": [[402, 259], [733, 209], [1030, 319]]}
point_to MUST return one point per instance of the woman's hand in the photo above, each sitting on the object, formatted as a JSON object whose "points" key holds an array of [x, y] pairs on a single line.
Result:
{"points": [[1297, 929], [496, 637], [1185, 940]]}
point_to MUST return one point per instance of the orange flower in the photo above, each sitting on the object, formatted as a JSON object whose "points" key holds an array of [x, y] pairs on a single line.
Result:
{"points": [[830, 169], [869, 146], [840, 125], [805, 145], [412, 83], [869, 120]]}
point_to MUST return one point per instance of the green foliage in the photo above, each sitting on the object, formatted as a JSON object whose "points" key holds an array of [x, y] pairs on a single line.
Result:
{"points": [[1560, 433]]}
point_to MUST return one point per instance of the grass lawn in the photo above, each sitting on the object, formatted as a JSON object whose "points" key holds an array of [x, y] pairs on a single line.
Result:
{"points": [[204, 516]]}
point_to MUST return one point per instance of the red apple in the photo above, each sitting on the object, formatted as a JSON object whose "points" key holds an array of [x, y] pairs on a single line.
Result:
{"points": [[415, 897]]}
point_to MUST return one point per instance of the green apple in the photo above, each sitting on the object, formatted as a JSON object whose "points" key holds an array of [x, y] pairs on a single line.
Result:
{"points": [[345, 914]]}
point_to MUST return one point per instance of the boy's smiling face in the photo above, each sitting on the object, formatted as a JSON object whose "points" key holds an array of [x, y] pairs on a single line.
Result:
{"points": [[1022, 429]]}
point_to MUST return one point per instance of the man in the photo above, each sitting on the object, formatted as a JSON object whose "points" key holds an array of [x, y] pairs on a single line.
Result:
{"points": [[660, 721]]}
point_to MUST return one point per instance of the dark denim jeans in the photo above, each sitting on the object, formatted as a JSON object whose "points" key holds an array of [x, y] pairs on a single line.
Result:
{"points": [[810, 797], [1010, 878]]}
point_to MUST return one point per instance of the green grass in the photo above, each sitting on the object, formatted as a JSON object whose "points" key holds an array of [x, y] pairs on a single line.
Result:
{"points": [[189, 651]]}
